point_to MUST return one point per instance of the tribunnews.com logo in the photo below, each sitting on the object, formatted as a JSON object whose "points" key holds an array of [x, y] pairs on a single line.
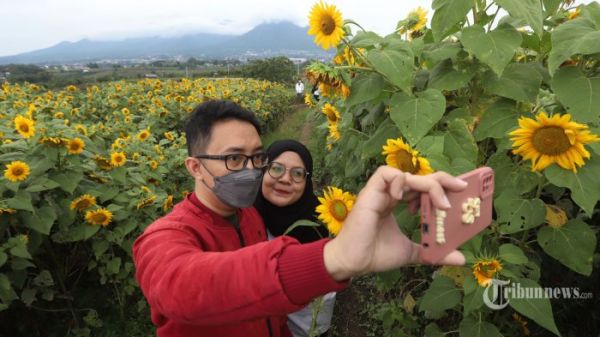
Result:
{"points": [[500, 292]]}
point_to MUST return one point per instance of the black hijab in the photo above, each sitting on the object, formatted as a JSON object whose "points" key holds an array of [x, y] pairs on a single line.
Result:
{"points": [[279, 219]]}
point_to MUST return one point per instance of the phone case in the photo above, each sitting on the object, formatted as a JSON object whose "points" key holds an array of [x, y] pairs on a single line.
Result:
{"points": [[470, 213]]}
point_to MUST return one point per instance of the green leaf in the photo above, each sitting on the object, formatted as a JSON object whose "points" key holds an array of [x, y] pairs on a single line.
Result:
{"points": [[584, 185], [473, 295], [415, 116], [516, 214], [433, 330], [365, 87], [3, 258], [538, 309], [41, 184], [119, 175], [495, 48], [441, 295], [471, 327], [459, 142], [20, 250], [579, 36], [445, 77], [21, 200], [579, 94], [512, 254], [446, 15], [113, 266], [68, 180], [497, 120], [437, 52], [528, 10], [44, 279], [28, 296], [374, 146], [572, 244], [519, 81], [41, 220], [396, 66], [40, 167], [4, 282], [551, 6], [365, 39]]}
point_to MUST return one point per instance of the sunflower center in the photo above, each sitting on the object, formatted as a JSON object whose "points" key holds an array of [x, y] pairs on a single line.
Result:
{"points": [[338, 210], [99, 218], [331, 116], [24, 127], [18, 171], [327, 25], [405, 162], [83, 204], [551, 140]]}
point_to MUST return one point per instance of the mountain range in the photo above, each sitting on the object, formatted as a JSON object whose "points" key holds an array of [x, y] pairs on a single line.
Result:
{"points": [[265, 40]]}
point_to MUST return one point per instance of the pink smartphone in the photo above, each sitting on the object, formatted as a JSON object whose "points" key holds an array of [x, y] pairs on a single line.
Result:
{"points": [[471, 212]]}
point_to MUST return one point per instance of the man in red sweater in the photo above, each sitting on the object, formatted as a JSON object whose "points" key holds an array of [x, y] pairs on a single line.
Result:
{"points": [[207, 269]]}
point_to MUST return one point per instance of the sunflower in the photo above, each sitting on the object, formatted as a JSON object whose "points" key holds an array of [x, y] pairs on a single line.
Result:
{"points": [[143, 135], [169, 136], [16, 171], [325, 22], [146, 202], [547, 140], [401, 156], [102, 162], [75, 146], [81, 129], [334, 133], [416, 19], [168, 204], [308, 100], [331, 112], [153, 165], [334, 208], [71, 88], [101, 217], [118, 159], [574, 14], [83, 202], [485, 269], [24, 126], [7, 211], [52, 141]]}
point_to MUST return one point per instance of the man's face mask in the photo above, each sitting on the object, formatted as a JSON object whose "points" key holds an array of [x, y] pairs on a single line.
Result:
{"points": [[238, 189]]}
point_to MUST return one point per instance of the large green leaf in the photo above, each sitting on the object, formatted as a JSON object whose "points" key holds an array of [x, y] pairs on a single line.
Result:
{"points": [[538, 309], [459, 142], [472, 327], [495, 48], [397, 66], [415, 116], [441, 295], [584, 185], [21, 200], [374, 146], [365, 39], [436, 52], [516, 214], [445, 77], [528, 10], [512, 254], [473, 295], [579, 94], [572, 244], [365, 87], [497, 120], [68, 180], [446, 15], [579, 36], [519, 81], [41, 220]]}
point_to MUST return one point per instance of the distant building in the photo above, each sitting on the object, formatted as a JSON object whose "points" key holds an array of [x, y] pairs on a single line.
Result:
{"points": [[298, 60], [151, 76]]}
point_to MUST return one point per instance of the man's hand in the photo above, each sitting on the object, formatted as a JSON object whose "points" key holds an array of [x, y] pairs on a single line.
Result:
{"points": [[370, 240]]}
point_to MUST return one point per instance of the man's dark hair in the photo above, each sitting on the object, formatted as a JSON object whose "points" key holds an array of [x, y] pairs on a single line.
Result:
{"points": [[198, 128]]}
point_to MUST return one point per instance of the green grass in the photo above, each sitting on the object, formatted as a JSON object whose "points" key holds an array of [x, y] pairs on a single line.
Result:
{"points": [[289, 127]]}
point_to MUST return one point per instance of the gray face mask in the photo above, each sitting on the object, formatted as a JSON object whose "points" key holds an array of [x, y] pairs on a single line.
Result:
{"points": [[238, 189]]}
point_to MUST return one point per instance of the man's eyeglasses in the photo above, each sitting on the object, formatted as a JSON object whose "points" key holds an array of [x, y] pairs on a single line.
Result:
{"points": [[277, 170], [238, 161]]}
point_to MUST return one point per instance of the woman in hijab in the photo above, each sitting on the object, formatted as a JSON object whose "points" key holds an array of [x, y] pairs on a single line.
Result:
{"points": [[287, 196]]}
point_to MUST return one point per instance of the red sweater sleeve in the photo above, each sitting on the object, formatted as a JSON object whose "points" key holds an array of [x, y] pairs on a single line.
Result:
{"points": [[189, 285]]}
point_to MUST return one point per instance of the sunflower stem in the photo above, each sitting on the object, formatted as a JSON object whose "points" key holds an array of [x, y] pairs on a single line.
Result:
{"points": [[493, 18], [352, 22]]}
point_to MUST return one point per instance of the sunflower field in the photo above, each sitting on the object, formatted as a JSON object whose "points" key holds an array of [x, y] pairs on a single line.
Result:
{"points": [[84, 170], [510, 84]]}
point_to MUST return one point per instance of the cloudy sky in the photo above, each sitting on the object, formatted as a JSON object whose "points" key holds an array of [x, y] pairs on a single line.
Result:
{"points": [[34, 24]]}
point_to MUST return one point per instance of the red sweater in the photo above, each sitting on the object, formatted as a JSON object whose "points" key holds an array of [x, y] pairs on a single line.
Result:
{"points": [[203, 279]]}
